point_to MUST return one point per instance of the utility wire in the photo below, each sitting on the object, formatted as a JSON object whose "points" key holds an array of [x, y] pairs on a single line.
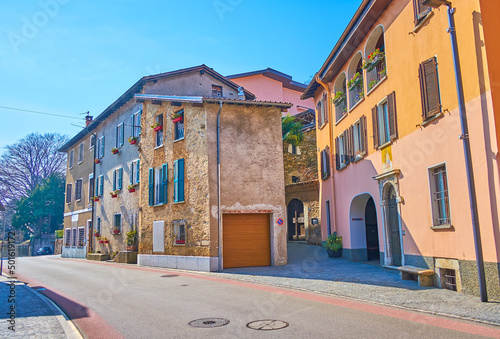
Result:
{"points": [[44, 113]]}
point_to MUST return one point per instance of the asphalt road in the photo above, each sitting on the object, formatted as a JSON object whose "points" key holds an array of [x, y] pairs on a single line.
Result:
{"points": [[112, 300]]}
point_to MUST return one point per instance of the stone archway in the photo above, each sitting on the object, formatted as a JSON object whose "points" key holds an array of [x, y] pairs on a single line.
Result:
{"points": [[295, 216], [363, 229]]}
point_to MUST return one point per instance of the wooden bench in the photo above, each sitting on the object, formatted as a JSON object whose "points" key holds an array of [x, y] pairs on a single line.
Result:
{"points": [[424, 274]]}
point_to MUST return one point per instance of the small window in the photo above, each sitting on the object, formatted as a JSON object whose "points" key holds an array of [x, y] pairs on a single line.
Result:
{"points": [[295, 179], [158, 183], [67, 237], [135, 124], [91, 186], [420, 10], [325, 164], [119, 134], [341, 151], [359, 136], [294, 149], [384, 121], [98, 225], [134, 172], [69, 191], [78, 189], [322, 111], [81, 236], [100, 148], [100, 185], [439, 196], [117, 179], [429, 88], [159, 133], [180, 232], [92, 141], [448, 279], [179, 125], [117, 223], [71, 158], [74, 236], [216, 91], [80, 153]]}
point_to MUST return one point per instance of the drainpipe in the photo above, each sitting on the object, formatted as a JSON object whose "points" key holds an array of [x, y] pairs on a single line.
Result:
{"points": [[91, 233], [467, 154], [219, 223], [327, 88]]}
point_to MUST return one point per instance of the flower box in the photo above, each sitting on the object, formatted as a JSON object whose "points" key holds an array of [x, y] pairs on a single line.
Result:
{"points": [[101, 241], [180, 242], [177, 120], [133, 142], [114, 195], [355, 83], [116, 231], [376, 60], [97, 161], [157, 128], [96, 199], [106, 241], [339, 100], [132, 190], [96, 234], [115, 151]]}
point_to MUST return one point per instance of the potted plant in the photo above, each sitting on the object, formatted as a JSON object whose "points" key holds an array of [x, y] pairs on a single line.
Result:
{"points": [[97, 234], [131, 188], [100, 240], [156, 126], [97, 161], [132, 140], [105, 240], [113, 194], [372, 60], [334, 246], [338, 98], [176, 117], [361, 95], [116, 230], [382, 73], [115, 150], [131, 246], [355, 80], [372, 84], [96, 198]]}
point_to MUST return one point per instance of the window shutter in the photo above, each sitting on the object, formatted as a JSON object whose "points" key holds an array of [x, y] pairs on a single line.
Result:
{"points": [[420, 10], [393, 123], [151, 187], [180, 179], [68, 193], [102, 147], [429, 88], [114, 180], [101, 185], [132, 126], [116, 136], [137, 172], [364, 135], [319, 113], [139, 118], [122, 135], [351, 143], [164, 182], [132, 165], [120, 178], [375, 127], [325, 106], [337, 158]]}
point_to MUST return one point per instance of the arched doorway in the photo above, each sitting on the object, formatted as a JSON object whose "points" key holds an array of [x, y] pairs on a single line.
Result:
{"points": [[372, 243], [393, 226], [363, 229], [295, 214]]}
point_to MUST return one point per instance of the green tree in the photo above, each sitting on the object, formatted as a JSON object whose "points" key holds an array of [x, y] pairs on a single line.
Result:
{"points": [[291, 130], [42, 210]]}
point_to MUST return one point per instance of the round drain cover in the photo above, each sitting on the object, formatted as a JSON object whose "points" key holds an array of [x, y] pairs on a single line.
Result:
{"points": [[209, 322], [169, 276], [267, 325]]}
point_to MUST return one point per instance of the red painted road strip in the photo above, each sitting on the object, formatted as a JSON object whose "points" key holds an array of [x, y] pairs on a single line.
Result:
{"points": [[90, 324], [414, 316]]}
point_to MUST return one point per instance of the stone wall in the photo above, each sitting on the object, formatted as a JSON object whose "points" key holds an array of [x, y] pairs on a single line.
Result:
{"points": [[303, 165]]}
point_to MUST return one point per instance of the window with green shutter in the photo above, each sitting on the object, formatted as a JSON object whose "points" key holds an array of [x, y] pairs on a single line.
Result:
{"points": [[179, 180], [164, 182], [120, 178], [137, 171], [151, 186]]}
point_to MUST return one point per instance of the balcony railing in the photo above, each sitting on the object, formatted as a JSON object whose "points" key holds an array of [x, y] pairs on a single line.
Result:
{"points": [[374, 76]]}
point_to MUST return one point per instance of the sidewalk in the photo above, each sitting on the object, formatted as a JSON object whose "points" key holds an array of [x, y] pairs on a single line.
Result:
{"points": [[310, 269], [35, 316]]}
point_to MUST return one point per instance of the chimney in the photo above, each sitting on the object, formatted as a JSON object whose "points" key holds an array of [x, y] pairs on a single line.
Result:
{"points": [[88, 120], [241, 93]]}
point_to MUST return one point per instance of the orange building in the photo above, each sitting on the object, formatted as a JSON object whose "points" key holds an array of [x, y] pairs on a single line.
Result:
{"points": [[393, 175]]}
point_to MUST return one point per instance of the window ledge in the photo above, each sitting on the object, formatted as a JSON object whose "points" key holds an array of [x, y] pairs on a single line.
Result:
{"points": [[158, 205], [359, 156], [378, 83], [178, 140], [178, 202], [179, 244], [342, 166], [158, 147], [431, 119], [422, 22], [322, 125], [357, 104], [442, 227], [80, 162], [384, 145], [343, 117]]}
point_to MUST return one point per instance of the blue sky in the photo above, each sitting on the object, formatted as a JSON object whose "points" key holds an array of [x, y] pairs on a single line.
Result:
{"points": [[71, 56]]}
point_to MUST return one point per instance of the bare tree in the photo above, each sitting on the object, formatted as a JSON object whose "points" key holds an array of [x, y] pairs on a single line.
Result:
{"points": [[28, 162]]}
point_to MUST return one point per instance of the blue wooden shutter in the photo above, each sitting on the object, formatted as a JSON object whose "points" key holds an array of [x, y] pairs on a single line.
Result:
{"points": [[101, 185], [122, 135], [132, 126], [116, 136], [181, 179], [114, 180], [132, 173], [139, 122], [164, 182], [102, 147], [120, 178], [151, 187], [137, 172], [176, 181]]}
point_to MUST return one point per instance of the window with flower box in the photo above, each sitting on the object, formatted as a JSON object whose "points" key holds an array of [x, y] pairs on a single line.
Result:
{"points": [[340, 98], [92, 141], [117, 224], [159, 132], [179, 232], [135, 124], [179, 125], [100, 148], [135, 172], [375, 62], [355, 82], [117, 179]]}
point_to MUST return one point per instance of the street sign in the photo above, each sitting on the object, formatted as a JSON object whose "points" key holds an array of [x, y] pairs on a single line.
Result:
{"points": [[279, 221]]}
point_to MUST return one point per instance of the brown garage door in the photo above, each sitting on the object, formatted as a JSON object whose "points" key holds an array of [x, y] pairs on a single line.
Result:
{"points": [[246, 240]]}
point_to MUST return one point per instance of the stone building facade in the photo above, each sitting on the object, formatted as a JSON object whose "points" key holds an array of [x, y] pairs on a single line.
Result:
{"points": [[179, 226]]}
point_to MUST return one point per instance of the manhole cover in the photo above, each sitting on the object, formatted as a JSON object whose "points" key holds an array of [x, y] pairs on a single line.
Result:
{"points": [[209, 322], [169, 276], [267, 325]]}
